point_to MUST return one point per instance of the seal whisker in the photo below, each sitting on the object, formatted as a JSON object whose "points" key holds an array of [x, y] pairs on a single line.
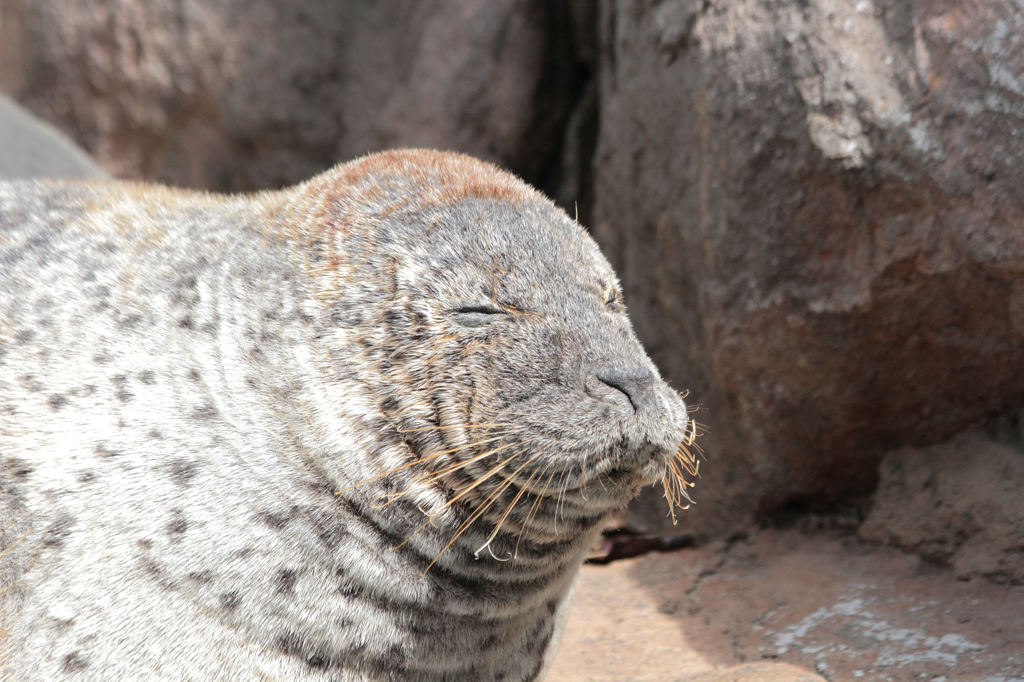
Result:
{"points": [[508, 482], [687, 460], [584, 478], [669, 497], [515, 500], [465, 524], [437, 475], [419, 461], [536, 504], [488, 474], [489, 500], [692, 444], [564, 488], [674, 468], [462, 492], [670, 484], [693, 430], [675, 484], [444, 427]]}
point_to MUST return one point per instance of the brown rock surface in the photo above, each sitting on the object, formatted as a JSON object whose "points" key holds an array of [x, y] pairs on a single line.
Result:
{"points": [[817, 209], [959, 503], [236, 94], [822, 601]]}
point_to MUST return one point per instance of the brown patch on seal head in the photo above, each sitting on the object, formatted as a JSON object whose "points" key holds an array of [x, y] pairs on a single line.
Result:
{"points": [[439, 178], [361, 193]]}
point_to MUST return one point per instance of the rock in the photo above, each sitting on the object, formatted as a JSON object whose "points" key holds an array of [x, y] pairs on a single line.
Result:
{"points": [[247, 94], [34, 149], [759, 672], [958, 503], [817, 210], [783, 602]]}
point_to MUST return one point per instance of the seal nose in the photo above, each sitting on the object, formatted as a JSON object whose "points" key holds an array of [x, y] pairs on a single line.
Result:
{"points": [[636, 383]]}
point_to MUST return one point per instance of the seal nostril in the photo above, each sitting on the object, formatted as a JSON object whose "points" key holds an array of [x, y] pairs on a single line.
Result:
{"points": [[636, 383]]}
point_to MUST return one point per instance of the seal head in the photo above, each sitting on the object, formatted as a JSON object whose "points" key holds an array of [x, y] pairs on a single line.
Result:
{"points": [[491, 333]]}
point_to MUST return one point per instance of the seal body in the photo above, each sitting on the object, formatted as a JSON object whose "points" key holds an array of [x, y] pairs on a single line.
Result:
{"points": [[363, 428]]}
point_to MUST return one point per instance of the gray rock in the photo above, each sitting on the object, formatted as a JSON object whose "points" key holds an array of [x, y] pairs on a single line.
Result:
{"points": [[32, 148]]}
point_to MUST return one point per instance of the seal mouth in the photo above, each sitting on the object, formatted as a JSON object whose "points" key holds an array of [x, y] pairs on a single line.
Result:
{"points": [[645, 463], [491, 476], [676, 469], [611, 481], [644, 468]]}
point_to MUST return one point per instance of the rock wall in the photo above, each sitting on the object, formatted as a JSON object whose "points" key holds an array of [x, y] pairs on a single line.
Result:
{"points": [[243, 94], [816, 207], [818, 211]]}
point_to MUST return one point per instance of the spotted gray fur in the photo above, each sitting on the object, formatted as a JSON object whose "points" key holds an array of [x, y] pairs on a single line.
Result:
{"points": [[187, 381]]}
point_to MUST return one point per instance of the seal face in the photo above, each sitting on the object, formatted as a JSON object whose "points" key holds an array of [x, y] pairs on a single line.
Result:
{"points": [[502, 325], [364, 427]]}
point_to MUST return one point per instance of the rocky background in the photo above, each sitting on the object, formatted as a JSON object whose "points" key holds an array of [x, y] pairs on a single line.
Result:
{"points": [[816, 206]]}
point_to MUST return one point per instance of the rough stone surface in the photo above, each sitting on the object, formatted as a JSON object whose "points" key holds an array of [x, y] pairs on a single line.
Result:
{"points": [[34, 149], [958, 503], [822, 601], [817, 209], [237, 94], [758, 672]]}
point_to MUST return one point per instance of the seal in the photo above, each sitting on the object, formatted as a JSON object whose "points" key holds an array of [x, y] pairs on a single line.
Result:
{"points": [[362, 428]]}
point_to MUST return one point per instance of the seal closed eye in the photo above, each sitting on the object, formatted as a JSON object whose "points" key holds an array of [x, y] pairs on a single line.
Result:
{"points": [[362, 428], [478, 315]]}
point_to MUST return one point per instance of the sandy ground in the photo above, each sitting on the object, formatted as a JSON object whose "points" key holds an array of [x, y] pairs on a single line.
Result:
{"points": [[784, 605]]}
